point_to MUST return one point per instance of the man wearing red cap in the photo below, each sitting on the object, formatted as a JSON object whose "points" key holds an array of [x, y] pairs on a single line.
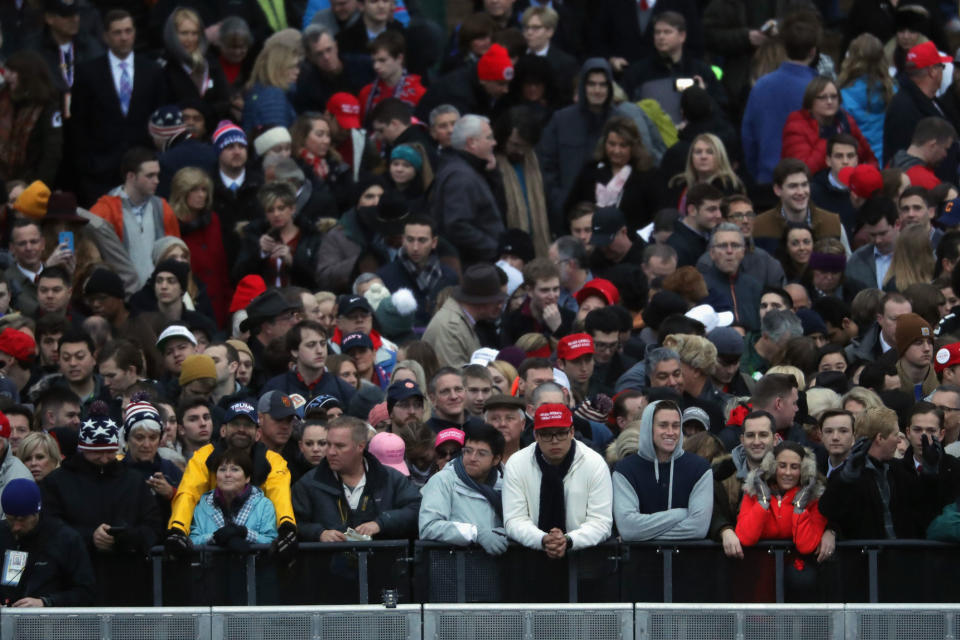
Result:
{"points": [[557, 494], [919, 83], [575, 358], [472, 88], [17, 353]]}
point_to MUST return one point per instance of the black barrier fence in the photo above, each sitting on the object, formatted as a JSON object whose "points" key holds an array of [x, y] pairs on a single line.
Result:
{"points": [[427, 572]]}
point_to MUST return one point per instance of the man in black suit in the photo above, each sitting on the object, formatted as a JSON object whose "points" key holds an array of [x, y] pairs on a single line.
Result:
{"points": [[63, 44], [622, 30], [113, 97], [539, 27]]}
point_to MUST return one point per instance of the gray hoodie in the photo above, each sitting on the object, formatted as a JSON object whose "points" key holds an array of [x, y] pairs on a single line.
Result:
{"points": [[670, 500]]}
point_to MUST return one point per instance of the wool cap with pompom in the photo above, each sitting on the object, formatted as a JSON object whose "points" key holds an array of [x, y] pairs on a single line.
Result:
{"points": [[99, 432], [396, 313], [140, 414]]}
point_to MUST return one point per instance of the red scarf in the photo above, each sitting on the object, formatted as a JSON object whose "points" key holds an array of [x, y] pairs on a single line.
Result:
{"points": [[319, 165]]}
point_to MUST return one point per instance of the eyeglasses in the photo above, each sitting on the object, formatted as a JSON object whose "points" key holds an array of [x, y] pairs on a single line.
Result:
{"points": [[606, 346], [728, 246], [556, 436], [480, 453]]}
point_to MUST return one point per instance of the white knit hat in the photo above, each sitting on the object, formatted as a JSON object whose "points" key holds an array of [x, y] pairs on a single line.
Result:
{"points": [[271, 138]]}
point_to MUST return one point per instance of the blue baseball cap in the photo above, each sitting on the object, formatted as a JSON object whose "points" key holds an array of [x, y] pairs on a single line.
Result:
{"points": [[242, 409], [356, 341]]}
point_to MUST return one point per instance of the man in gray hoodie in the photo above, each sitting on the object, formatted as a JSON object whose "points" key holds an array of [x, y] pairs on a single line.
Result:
{"points": [[645, 507]]}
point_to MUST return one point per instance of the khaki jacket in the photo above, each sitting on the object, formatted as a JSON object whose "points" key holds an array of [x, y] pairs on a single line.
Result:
{"points": [[451, 334]]}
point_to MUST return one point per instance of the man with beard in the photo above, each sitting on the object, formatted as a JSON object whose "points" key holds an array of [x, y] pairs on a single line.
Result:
{"points": [[271, 475]]}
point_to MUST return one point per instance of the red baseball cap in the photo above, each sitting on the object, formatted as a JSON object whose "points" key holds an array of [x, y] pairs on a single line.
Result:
{"points": [[17, 344], [575, 345], [598, 287], [925, 55], [446, 435], [552, 416], [346, 109], [946, 357], [864, 180]]}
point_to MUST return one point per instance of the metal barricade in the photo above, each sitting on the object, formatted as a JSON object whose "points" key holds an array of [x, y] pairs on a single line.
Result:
{"points": [[528, 622], [756, 622], [654, 571], [96, 624]]}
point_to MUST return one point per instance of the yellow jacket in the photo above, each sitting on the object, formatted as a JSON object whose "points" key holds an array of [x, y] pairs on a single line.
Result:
{"points": [[270, 474]]}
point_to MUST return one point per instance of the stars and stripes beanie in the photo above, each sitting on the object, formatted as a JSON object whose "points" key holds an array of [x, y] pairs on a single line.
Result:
{"points": [[99, 432]]}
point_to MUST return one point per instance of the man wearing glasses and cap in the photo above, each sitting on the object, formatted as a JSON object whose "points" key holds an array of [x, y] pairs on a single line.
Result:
{"points": [[355, 315], [557, 493]]}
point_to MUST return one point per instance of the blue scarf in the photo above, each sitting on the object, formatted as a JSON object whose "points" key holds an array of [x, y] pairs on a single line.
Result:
{"points": [[486, 489]]}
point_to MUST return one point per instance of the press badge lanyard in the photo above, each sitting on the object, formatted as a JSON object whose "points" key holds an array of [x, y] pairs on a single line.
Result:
{"points": [[14, 564]]}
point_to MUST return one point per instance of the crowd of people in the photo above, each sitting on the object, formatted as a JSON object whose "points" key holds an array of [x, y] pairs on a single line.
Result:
{"points": [[478, 272]]}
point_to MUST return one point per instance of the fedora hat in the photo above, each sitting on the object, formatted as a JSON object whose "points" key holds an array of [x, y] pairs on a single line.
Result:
{"points": [[480, 284], [63, 206]]}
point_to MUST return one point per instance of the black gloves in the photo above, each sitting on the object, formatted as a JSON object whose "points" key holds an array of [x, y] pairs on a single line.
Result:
{"points": [[285, 545], [177, 544], [931, 454], [856, 460], [225, 534]]}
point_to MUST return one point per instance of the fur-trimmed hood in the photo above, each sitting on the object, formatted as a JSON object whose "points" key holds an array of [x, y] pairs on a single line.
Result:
{"points": [[768, 471]]}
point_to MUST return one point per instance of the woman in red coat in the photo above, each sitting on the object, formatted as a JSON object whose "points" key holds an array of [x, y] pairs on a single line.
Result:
{"points": [[191, 196], [780, 503], [807, 130]]}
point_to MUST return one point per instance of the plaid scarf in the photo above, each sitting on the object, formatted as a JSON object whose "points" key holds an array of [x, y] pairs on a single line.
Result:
{"points": [[238, 510], [429, 277]]}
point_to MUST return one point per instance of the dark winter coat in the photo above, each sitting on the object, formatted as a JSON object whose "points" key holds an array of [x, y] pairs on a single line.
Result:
{"points": [[58, 567], [466, 207], [390, 499], [85, 496], [300, 273]]}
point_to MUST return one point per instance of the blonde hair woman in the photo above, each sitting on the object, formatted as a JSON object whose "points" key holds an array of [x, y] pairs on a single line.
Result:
{"points": [[913, 260], [867, 88], [859, 399], [189, 74], [191, 198], [40, 453], [707, 161], [275, 71]]}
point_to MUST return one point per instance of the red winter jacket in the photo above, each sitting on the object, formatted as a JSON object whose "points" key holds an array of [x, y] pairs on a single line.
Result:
{"points": [[779, 522], [801, 140], [208, 262]]}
